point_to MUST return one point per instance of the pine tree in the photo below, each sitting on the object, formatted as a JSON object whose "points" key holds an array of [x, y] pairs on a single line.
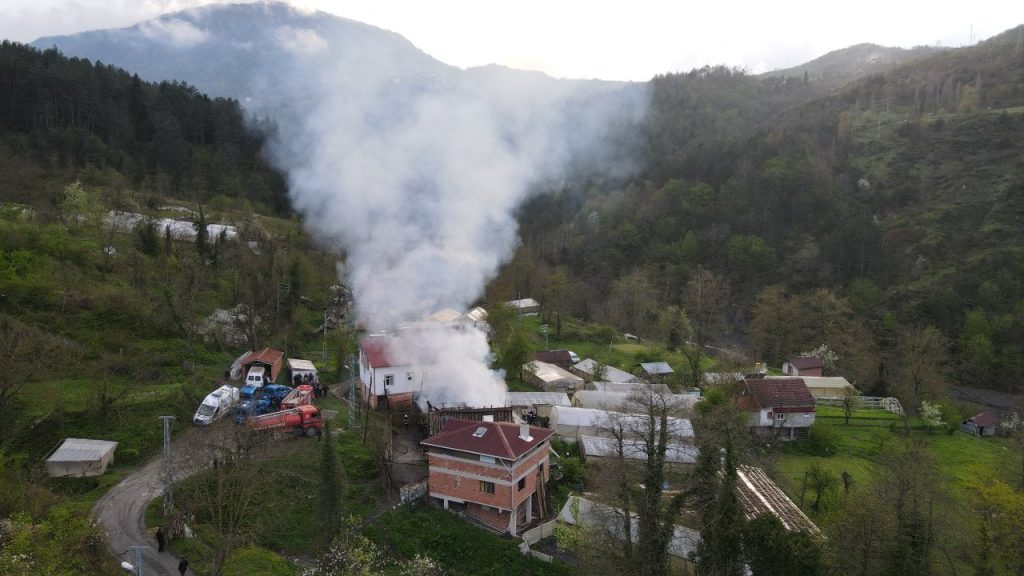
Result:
{"points": [[328, 502]]}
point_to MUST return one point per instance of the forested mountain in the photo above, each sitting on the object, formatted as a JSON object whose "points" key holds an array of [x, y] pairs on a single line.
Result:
{"points": [[895, 202], [244, 51], [68, 116]]}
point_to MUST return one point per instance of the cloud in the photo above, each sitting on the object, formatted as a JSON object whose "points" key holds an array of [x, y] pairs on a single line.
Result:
{"points": [[302, 41], [174, 31]]}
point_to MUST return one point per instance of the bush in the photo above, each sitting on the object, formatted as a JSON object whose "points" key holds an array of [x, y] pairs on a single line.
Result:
{"points": [[253, 560], [824, 439]]}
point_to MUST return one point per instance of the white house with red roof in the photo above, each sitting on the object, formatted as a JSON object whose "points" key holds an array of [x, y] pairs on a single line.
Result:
{"points": [[781, 407], [383, 377], [493, 472]]}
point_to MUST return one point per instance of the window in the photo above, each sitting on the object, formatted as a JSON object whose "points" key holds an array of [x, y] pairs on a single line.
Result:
{"points": [[780, 416], [522, 482], [487, 459], [487, 487], [408, 376], [389, 380]]}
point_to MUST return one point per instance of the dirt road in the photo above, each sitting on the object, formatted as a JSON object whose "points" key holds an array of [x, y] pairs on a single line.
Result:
{"points": [[121, 511]]}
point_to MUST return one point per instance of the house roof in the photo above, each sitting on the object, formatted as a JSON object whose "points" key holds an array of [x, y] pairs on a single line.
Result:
{"points": [[376, 351], [838, 383], [560, 357], [609, 373], [985, 419], [656, 367], [806, 362], [523, 303], [497, 439], [546, 372], [634, 450], [779, 393], [759, 495], [268, 356], [445, 315], [299, 364], [82, 450]]}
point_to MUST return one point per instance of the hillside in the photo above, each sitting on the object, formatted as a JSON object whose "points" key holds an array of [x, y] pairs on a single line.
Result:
{"points": [[842, 66], [896, 198]]}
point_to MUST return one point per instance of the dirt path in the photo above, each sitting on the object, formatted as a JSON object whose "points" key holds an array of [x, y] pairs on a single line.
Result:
{"points": [[121, 511]]}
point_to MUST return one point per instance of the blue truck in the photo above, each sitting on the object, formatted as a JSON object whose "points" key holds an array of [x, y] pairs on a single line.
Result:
{"points": [[258, 400]]}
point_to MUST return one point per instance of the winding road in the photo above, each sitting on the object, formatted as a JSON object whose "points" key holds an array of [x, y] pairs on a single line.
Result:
{"points": [[121, 511]]}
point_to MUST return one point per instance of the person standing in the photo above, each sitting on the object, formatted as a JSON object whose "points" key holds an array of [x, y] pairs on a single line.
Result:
{"points": [[160, 539], [183, 566]]}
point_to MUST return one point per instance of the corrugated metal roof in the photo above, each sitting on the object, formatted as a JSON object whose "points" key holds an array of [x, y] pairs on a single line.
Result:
{"points": [[607, 519], [610, 373], [82, 450], [629, 387], [550, 373], [635, 450], [537, 398], [656, 367], [759, 495], [376, 351], [268, 356], [523, 303], [806, 362], [299, 364]]}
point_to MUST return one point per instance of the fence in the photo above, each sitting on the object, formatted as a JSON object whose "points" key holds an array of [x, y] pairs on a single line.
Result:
{"points": [[865, 403], [413, 491], [538, 533]]}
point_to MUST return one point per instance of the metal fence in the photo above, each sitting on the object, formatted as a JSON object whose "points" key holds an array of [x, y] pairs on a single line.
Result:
{"points": [[888, 404]]}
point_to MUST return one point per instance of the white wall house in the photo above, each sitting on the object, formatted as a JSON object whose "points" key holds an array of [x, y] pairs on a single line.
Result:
{"points": [[382, 378]]}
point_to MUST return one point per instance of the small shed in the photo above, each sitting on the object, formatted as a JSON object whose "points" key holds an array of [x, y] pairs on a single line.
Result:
{"points": [[560, 358], [655, 369], [301, 368], [983, 424], [525, 306], [79, 457], [587, 368], [803, 366]]}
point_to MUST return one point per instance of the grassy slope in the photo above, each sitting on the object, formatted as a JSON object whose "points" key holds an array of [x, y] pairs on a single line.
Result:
{"points": [[959, 459]]}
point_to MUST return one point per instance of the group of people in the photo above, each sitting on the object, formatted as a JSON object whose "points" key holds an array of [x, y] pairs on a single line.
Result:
{"points": [[320, 390], [161, 541]]}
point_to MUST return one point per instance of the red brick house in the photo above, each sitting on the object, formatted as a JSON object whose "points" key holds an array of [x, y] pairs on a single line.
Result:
{"points": [[494, 472], [781, 407], [804, 366]]}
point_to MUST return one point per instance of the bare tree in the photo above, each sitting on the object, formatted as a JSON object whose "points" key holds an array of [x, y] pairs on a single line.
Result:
{"points": [[922, 365], [706, 298]]}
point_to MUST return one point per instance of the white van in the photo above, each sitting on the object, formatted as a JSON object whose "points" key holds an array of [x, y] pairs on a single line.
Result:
{"points": [[256, 377], [215, 405]]}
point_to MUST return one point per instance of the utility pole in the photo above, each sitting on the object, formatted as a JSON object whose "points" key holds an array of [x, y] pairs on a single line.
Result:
{"points": [[137, 559], [353, 398], [168, 468], [323, 351]]}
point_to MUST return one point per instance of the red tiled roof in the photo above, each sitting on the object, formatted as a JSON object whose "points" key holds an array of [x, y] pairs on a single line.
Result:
{"points": [[780, 393], [985, 419], [500, 439], [376, 351], [806, 362], [557, 357], [267, 356]]}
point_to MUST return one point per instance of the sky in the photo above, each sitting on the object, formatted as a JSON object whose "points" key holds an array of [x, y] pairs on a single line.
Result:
{"points": [[631, 40]]}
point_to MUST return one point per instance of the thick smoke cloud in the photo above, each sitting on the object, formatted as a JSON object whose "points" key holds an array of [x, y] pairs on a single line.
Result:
{"points": [[416, 170]]}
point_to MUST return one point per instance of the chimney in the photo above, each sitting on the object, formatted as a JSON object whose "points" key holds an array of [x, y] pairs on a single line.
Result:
{"points": [[524, 433]]}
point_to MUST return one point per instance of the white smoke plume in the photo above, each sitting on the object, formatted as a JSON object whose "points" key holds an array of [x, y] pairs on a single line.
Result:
{"points": [[417, 175]]}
